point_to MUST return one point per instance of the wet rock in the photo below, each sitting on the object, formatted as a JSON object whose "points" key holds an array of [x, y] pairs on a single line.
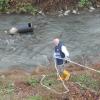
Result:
{"points": [[67, 12], [75, 11], [60, 13], [41, 13], [8, 12], [91, 9]]}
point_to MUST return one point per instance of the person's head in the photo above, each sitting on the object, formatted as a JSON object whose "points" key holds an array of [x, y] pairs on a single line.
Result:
{"points": [[56, 41]]}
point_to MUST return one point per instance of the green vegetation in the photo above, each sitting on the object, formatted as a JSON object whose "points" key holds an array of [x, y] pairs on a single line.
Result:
{"points": [[6, 87], [29, 88], [3, 5], [33, 82], [34, 98], [84, 3], [50, 80], [26, 8], [32, 6], [86, 81], [16, 7]]}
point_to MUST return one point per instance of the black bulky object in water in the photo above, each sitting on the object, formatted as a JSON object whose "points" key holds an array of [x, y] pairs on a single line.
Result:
{"points": [[26, 28]]}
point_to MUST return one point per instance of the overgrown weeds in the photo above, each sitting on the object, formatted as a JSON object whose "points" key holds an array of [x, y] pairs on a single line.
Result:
{"points": [[32, 6], [6, 88], [33, 82], [84, 3], [3, 5], [86, 81], [13, 6]]}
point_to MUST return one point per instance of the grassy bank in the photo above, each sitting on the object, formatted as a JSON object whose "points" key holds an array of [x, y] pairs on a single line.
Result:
{"points": [[33, 6], [18, 84], [17, 6]]}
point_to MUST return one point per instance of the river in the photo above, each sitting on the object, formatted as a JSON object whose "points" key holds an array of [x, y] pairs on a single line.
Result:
{"points": [[80, 33]]}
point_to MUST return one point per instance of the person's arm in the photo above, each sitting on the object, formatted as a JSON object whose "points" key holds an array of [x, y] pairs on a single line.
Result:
{"points": [[65, 51]]}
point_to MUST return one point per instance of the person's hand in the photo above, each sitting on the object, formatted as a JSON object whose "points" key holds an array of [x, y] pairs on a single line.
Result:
{"points": [[67, 58], [66, 61]]}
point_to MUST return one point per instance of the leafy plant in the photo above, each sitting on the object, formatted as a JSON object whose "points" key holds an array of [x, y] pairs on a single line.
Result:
{"points": [[83, 3], [30, 8], [9, 88], [86, 81], [50, 80], [6, 87], [3, 5], [32, 82], [26, 8]]}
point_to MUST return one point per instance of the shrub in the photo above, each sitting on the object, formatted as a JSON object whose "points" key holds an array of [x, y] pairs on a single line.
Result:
{"points": [[3, 5], [26, 8], [84, 3]]}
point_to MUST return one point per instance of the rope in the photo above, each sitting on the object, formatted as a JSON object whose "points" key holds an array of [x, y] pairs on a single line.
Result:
{"points": [[84, 66], [52, 90], [67, 90], [43, 77], [97, 71]]}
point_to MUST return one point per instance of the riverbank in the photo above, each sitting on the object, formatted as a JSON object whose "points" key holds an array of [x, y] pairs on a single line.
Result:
{"points": [[20, 84], [47, 7]]}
